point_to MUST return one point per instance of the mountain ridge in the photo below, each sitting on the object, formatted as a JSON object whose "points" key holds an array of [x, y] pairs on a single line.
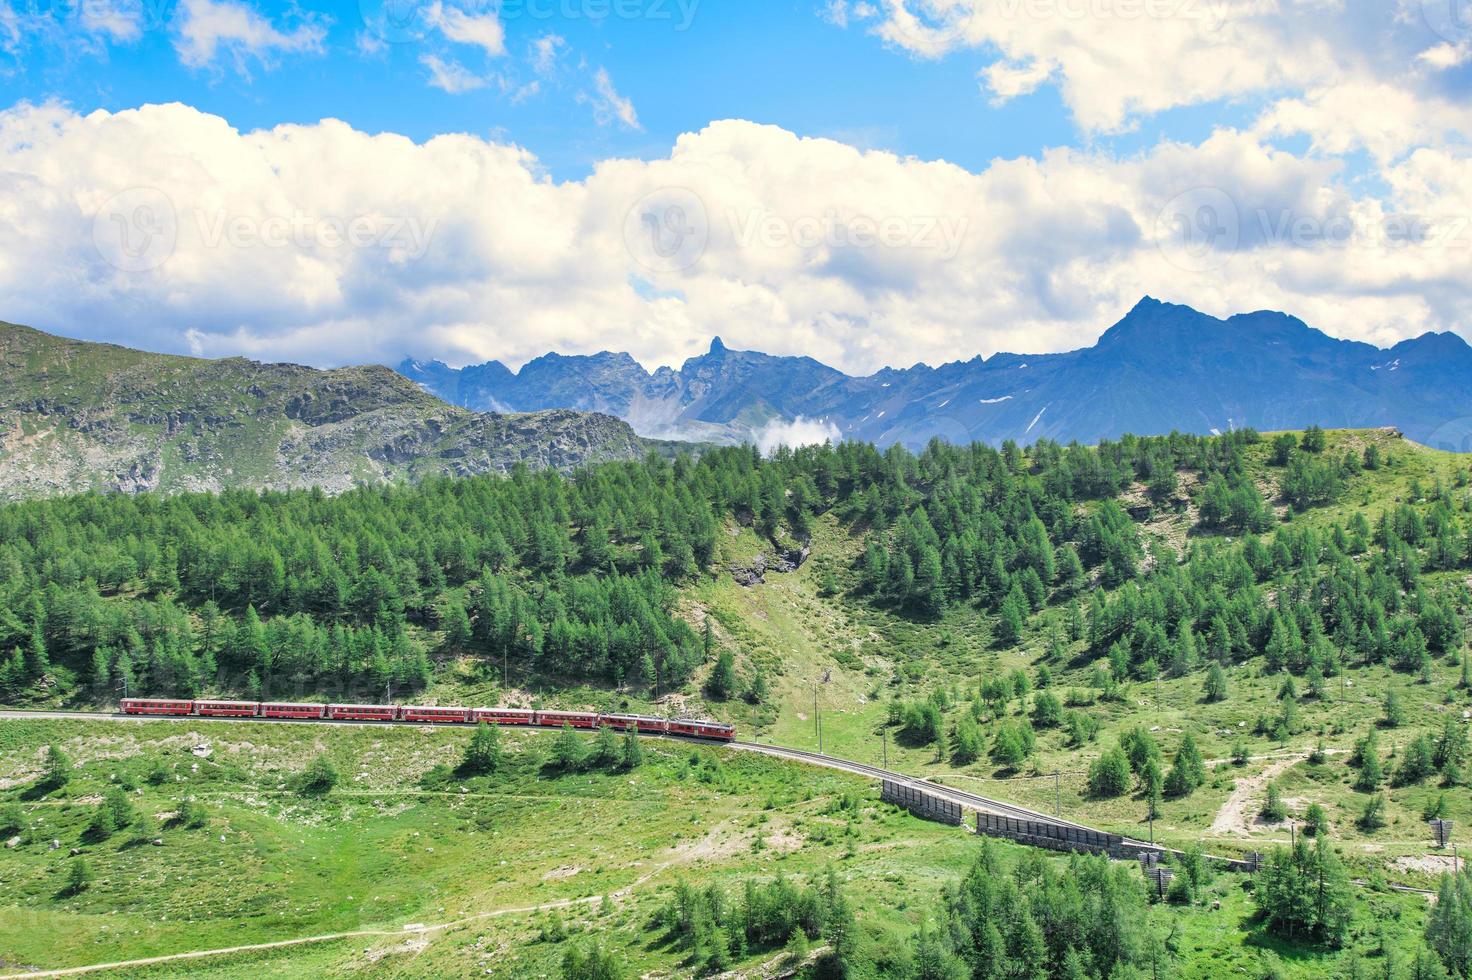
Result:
{"points": [[1162, 366], [77, 415]]}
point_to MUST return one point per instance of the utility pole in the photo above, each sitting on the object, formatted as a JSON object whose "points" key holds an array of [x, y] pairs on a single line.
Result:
{"points": [[884, 742], [505, 674], [1057, 795], [1151, 816]]}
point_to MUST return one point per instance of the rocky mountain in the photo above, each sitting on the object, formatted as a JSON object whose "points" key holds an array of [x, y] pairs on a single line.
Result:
{"points": [[1162, 367], [80, 416]]}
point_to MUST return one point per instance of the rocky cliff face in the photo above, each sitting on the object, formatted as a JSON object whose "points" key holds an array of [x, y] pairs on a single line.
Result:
{"points": [[82, 416]]}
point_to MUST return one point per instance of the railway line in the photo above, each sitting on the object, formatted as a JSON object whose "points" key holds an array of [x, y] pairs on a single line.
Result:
{"points": [[968, 800]]}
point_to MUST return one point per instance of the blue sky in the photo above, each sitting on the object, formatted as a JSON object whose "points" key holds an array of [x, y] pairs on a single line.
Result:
{"points": [[867, 181], [682, 64]]}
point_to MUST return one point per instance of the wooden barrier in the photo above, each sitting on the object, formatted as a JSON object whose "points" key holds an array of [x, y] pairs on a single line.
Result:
{"points": [[921, 803], [1052, 836]]}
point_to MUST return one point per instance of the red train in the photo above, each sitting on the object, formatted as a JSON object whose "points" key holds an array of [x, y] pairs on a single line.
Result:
{"points": [[423, 714]]}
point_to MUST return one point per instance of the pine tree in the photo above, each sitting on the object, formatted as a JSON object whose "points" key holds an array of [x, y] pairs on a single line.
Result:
{"points": [[722, 682], [633, 754], [568, 752], [1216, 683], [483, 755]]}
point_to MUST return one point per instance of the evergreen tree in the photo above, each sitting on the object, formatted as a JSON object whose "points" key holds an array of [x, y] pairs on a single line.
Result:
{"points": [[483, 755], [1216, 683], [568, 751]]}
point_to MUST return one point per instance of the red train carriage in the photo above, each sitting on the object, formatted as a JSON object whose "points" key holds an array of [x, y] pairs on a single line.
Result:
{"points": [[440, 715], [362, 712], [286, 710], [702, 729], [577, 719], [504, 716], [156, 706], [226, 709], [641, 723]]}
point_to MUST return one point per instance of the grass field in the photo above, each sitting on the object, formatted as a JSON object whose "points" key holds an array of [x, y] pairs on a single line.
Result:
{"points": [[465, 866]]}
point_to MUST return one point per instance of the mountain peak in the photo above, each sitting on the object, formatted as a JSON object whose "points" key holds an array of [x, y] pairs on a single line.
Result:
{"points": [[716, 347]]}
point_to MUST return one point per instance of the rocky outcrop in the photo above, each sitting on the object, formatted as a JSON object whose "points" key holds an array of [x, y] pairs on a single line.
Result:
{"points": [[82, 416]]}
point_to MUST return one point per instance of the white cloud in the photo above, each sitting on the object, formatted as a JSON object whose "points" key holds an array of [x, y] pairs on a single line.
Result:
{"points": [[451, 76], [467, 250], [801, 431], [608, 105], [1116, 62], [545, 50], [208, 29], [120, 21], [480, 30]]}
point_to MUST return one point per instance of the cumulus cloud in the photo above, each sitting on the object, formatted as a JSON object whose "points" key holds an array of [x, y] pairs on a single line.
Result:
{"points": [[1117, 62], [164, 227], [210, 29], [801, 431]]}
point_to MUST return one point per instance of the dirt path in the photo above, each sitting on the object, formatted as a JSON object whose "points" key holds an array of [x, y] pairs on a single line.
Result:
{"points": [[704, 848], [1235, 816]]}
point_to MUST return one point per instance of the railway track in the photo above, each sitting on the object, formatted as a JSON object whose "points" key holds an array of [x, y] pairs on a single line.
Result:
{"points": [[971, 801]]}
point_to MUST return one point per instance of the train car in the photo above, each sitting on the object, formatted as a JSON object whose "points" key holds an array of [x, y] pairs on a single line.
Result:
{"points": [[504, 716], [696, 728], [276, 709], [641, 723], [226, 709], [577, 719], [362, 712], [411, 712], [156, 706]]}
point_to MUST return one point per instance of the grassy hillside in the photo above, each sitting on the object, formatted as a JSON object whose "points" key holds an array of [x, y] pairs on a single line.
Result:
{"points": [[436, 875], [80, 416], [1337, 564]]}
